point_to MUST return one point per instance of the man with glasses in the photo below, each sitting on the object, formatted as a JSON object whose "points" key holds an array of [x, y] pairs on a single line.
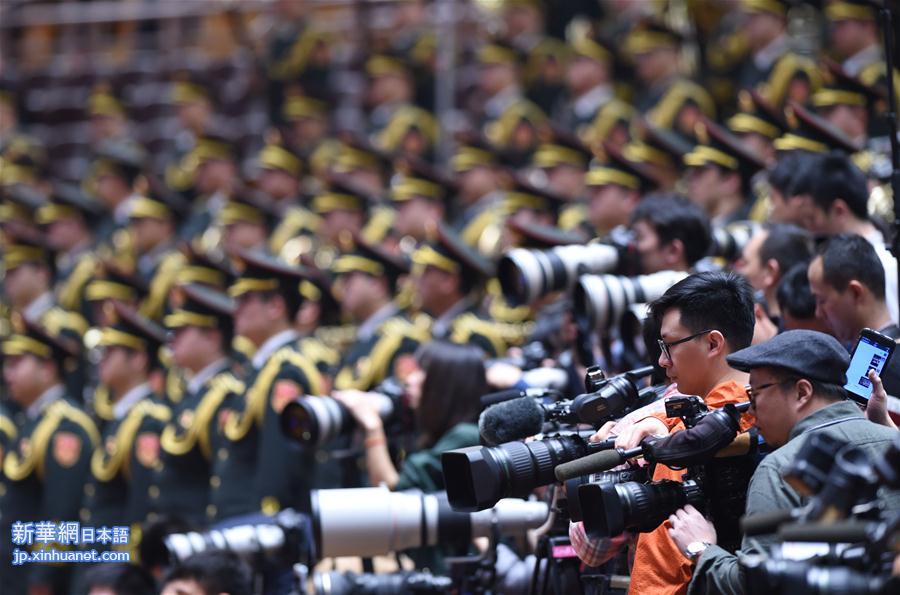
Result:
{"points": [[702, 319], [796, 386]]}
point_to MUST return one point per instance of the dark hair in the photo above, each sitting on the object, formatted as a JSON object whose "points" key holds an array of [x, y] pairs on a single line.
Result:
{"points": [[454, 383], [793, 173], [215, 571], [676, 218], [787, 245], [719, 300], [794, 295], [122, 579], [838, 178], [849, 256]]}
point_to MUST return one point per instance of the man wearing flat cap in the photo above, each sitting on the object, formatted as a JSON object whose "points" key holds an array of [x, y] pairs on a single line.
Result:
{"points": [[796, 388]]}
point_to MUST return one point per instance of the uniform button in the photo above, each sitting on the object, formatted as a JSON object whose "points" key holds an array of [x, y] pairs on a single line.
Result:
{"points": [[85, 514], [153, 491], [215, 482], [152, 517], [222, 454], [88, 489], [321, 456], [211, 511], [158, 465]]}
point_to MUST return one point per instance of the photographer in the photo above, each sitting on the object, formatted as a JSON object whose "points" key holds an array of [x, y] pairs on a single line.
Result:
{"points": [[702, 319], [796, 384], [444, 391], [670, 233]]}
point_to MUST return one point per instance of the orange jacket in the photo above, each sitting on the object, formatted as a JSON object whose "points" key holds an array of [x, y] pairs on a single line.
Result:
{"points": [[660, 568]]}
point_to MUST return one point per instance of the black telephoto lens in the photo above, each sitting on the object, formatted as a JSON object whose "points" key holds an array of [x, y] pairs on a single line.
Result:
{"points": [[632, 474], [609, 510], [766, 576], [477, 477], [315, 420], [349, 583]]}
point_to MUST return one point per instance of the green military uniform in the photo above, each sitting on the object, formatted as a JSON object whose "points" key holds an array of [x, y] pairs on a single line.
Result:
{"points": [[182, 478], [256, 467], [120, 490], [44, 466], [718, 571]]}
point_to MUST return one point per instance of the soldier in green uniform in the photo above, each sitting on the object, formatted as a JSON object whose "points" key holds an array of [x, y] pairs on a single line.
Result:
{"points": [[210, 170], [119, 490], [366, 282], [449, 280], [422, 197], [256, 468], [68, 221], [111, 179], [202, 329], [342, 209], [46, 465]]}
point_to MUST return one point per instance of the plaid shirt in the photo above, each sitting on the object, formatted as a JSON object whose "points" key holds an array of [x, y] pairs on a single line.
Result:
{"points": [[596, 552]]}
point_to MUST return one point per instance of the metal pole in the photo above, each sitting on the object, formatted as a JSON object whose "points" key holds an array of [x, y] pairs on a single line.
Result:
{"points": [[445, 77]]}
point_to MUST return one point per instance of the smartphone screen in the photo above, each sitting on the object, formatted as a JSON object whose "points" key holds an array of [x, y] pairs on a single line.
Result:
{"points": [[869, 355]]}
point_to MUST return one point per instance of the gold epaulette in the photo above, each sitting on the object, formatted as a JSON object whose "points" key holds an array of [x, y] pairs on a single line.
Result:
{"points": [[113, 457], [102, 404], [8, 428], [257, 394], [244, 346], [379, 224], [467, 326], [298, 56], [484, 231], [374, 368], [199, 424], [57, 320], [338, 337], [69, 293], [572, 216], [153, 305], [17, 468], [318, 351]]}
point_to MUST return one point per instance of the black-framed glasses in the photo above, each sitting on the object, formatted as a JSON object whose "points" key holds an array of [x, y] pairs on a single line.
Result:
{"points": [[752, 393], [666, 347]]}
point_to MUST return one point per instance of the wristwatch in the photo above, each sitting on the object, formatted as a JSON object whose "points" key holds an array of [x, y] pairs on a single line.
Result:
{"points": [[695, 548]]}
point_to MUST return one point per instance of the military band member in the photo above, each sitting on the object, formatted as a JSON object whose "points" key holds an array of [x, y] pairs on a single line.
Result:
{"points": [[257, 468], [201, 333], [46, 465]]}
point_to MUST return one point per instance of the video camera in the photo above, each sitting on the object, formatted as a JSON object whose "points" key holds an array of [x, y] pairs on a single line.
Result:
{"points": [[405, 582], [318, 420], [856, 537], [477, 477]]}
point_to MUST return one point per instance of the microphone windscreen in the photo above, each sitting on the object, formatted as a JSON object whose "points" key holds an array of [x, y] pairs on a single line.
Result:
{"points": [[501, 396], [513, 420], [593, 463]]}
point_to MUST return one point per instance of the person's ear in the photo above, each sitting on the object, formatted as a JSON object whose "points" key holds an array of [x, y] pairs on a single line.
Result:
{"points": [[772, 272], [716, 342], [804, 392], [673, 252], [857, 290]]}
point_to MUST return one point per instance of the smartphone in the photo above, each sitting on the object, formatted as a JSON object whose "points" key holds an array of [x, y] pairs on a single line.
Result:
{"points": [[872, 352]]}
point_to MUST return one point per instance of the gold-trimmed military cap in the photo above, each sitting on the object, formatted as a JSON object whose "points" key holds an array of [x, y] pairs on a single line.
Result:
{"points": [[472, 151], [248, 206], [114, 283], [813, 133], [24, 246], [593, 49], [132, 331], [615, 168], [842, 89], [650, 35], [850, 10], [341, 195], [562, 149], [264, 273], [417, 179], [203, 307], [358, 153], [154, 206], [450, 254], [372, 260], [757, 116], [297, 107], [498, 53], [774, 7], [204, 268], [722, 149], [525, 195], [102, 102], [275, 156], [120, 158], [212, 147], [542, 237], [405, 120], [386, 65], [19, 203], [30, 338], [188, 88], [68, 201]]}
